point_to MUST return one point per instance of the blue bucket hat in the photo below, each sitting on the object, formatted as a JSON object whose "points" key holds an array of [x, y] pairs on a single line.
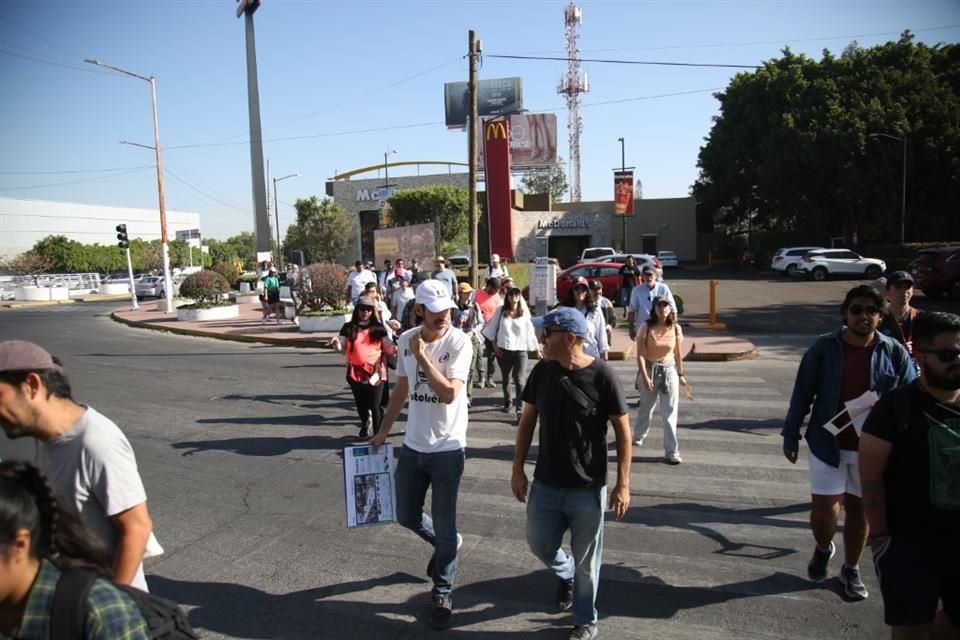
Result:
{"points": [[566, 319]]}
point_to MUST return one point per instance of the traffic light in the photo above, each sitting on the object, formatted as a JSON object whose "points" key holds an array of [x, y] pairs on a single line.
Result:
{"points": [[122, 237]]}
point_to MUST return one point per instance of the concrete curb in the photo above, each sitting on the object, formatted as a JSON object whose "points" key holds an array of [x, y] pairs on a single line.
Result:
{"points": [[302, 343], [693, 356], [36, 303]]}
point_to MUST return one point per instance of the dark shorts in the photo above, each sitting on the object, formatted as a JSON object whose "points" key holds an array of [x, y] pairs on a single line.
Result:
{"points": [[273, 297], [914, 578]]}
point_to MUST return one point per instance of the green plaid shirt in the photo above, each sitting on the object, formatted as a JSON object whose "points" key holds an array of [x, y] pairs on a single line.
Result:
{"points": [[111, 615]]}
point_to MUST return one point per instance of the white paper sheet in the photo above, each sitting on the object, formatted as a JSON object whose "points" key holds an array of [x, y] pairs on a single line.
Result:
{"points": [[854, 413], [371, 495]]}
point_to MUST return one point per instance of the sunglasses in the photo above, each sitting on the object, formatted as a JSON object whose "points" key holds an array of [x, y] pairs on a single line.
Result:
{"points": [[946, 356], [857, 309], [364, 309]]}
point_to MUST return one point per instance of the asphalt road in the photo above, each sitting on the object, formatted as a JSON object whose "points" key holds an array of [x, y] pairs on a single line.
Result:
{"points": [[239, 446]]}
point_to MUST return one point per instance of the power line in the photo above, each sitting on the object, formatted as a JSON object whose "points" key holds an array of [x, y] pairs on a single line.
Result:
{"points": [[52, 64], [60, 184], [314, 135], [171, 160], [54, 173], [639, 62], [203, 193]]}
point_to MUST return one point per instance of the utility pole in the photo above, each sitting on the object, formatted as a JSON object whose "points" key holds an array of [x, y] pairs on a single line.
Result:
{"points": [[623, 167], [474, 52]]}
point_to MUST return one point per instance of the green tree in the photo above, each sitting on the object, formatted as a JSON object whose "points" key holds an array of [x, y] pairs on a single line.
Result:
{"points": [[552, 180], [791, 149], [323, 230], [446, 205]]}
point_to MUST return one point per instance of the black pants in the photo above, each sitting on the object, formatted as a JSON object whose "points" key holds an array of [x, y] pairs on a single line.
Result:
{"points": [[368, 397]]}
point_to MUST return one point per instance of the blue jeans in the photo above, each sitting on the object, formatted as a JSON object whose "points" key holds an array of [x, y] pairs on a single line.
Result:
{"points": [[441, 472], [550, 512]]}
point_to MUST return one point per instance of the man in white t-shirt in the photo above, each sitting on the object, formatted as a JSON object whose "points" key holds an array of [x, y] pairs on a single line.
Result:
{"points": [[85, 455], [432, 369], [357, 280]]}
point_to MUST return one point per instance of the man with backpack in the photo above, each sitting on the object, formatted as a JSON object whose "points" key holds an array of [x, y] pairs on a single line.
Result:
{"points": [[574, 396], [910, 472], [86, 456]]}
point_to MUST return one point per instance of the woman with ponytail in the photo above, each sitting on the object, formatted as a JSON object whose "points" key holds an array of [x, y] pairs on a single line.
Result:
{"points": [[41, 536]]}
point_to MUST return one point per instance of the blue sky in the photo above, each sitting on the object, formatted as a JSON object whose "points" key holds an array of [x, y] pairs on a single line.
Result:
{"points": [[341, 82]]}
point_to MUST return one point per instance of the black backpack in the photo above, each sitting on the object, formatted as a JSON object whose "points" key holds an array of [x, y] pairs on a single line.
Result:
{"points": [[165, 619]]}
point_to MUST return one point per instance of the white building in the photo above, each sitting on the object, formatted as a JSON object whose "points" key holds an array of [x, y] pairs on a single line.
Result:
{"points": [[24, 222]]}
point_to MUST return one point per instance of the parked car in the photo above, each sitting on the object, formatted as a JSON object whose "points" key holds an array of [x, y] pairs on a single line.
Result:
{"points": [[937, 271], [594, 253], [642, 260], [150, 287], [787, 259], [668, 259], [608, 273], [823, 263], [459, 262]]}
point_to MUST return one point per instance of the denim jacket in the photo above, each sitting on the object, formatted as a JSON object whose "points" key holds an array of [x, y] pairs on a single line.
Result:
{"points": [[818, 382]]}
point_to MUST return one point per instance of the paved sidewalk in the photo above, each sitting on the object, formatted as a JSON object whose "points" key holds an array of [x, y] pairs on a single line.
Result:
{"points": [[699, 344]]}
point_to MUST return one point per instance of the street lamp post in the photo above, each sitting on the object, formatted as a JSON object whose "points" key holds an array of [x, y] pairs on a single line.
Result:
{"points": [[386, 181], [623, 167], [903, 195], [164, 245], [276, 210]]}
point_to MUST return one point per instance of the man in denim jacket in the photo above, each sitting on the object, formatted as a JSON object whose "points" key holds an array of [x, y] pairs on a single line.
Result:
{"points": [[838, 367]]}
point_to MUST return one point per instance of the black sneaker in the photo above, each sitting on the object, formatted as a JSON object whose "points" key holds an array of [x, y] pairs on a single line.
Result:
{"points": [[565, 595], [584, 632], [442, 611], [364, 433], [853, 586], [817, 567]]}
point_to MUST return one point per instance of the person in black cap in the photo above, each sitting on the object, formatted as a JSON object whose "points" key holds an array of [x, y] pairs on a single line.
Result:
{"points": [[897, 322]]}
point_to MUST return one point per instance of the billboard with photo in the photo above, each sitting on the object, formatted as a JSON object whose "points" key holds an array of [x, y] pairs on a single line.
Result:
{"points": [[412, 241], [494, 97], [533, 140], [623, 192]]}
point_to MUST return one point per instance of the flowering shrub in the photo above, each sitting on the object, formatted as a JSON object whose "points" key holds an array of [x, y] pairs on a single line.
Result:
{"points": [[229, 271], [205, 287], [322, 287]]}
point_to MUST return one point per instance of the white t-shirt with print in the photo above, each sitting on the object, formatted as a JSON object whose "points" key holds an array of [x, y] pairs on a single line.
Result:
{"points": [[434, 426]]}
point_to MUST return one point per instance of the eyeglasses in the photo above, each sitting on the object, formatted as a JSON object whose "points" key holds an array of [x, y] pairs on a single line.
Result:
{"points": [[946, 356], [857, 309]]}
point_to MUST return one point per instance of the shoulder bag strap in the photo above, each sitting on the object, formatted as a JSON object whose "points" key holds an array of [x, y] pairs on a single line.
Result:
{"points": [[69, 610], [578, 395]]}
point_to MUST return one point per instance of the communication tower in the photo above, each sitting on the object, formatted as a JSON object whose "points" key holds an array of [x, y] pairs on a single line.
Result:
{"points": [[573, 83]]}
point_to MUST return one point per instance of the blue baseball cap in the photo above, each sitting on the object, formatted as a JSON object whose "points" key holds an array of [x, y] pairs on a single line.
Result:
{"points": [[566, 319]]}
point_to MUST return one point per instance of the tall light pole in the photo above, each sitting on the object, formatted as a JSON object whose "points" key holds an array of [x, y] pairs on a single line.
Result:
{"points": [[903, 195], [386, 181], [276, 210], [164, 246], [623, 167], [261, 217]]}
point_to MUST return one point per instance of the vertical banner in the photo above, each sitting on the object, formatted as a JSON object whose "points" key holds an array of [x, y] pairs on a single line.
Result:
{"points": [[496, 145], [623, 192]]}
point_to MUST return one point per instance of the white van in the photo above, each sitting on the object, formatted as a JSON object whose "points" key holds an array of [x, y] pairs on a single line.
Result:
{"points": [[593, 253]]}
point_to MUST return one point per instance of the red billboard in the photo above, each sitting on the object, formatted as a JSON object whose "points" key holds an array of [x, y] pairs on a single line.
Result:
{"points": [[496, 142]]}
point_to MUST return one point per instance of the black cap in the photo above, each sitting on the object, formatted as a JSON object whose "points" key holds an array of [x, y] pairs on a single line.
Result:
{"points": [[595, 284], [649, 269], [899, 276]]}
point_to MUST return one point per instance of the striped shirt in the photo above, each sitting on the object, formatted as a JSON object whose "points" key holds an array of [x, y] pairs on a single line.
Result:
{"points": [[111, 614]]}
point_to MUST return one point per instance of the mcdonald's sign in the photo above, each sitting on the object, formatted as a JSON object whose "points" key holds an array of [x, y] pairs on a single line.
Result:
{"points": [[497, 175], [496, 130]]}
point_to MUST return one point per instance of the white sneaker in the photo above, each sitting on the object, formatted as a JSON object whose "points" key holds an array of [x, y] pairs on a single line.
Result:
{"points": [[638, 443], [673, 458]]}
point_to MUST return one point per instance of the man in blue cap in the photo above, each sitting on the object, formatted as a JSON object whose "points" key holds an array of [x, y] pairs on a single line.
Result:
{"points": [[569, 487]]}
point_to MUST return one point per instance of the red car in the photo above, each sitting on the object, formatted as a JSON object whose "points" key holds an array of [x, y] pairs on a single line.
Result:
{"points": [[937, 271], [608, 273]]}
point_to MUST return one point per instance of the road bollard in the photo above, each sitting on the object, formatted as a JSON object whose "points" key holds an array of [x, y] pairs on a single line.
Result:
{"points": [[713, 302]]}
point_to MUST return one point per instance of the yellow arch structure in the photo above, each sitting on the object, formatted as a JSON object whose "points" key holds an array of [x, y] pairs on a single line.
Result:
{"points": [[346, 175]]}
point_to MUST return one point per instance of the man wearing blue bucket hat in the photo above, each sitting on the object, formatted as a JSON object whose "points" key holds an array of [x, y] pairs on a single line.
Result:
{"points": [[569, 489]]}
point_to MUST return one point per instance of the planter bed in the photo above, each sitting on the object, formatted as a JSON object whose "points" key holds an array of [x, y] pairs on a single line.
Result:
{"points": [[324, 324], [224, 312]]}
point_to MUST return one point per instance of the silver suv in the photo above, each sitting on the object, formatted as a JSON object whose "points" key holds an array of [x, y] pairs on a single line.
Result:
{"points": [[787, 259]]}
